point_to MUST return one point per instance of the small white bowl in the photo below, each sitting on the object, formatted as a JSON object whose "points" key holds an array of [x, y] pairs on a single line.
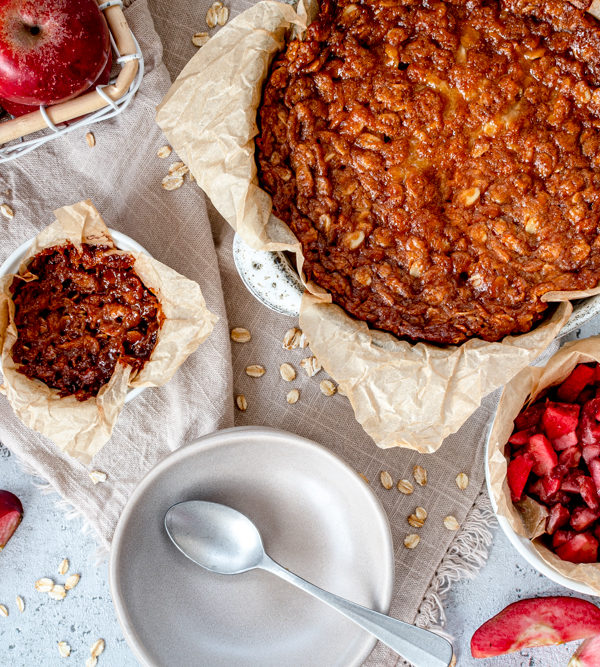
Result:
{"points": [[524, 546], [13, 261]]}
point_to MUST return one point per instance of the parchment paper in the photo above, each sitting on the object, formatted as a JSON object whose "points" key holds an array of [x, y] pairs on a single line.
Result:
{"points": [[520, 390], [81, 428], [403, 394]]}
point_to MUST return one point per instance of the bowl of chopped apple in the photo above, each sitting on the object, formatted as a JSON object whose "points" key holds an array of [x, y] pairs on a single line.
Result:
{"points": [[543, 465]]}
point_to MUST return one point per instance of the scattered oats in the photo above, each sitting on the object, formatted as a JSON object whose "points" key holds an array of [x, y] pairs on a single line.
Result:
{"points": [[420, 475], [255, 370], [64, 649], [311, 365], [91, 662], [164, 151], [287, 372], [72, 581], [63, 568], [292, 396], [200, 38], [97, 476], [294, 339], [366, 480], [222, 15], [97, 648], [240, 335], [178, 169], [241, 402], [172, 182], [58, 592], [192, 177], [462, 481], [3, 611], [90, 139], [20, 604], [212, 15], [411, 541], [453, 661], [386, 479], [417, 520], [44, 585], [421, 513], [327, 387], [7, 211], [405, 487], [451, 523]]}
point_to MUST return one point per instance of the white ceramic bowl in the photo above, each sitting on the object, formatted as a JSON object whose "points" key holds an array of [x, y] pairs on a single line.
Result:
{"points": [[271, 279], [524, 546], [13, 261], [316, 516]]}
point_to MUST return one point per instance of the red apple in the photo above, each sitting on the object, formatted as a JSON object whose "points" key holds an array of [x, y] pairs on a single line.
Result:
{"points": [[11, 513], [50, 50], [16, 110], [588, 654], [536, 622]]}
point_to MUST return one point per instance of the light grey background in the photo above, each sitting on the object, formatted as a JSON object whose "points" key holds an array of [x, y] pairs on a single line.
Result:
{"points": [[47, 535]]}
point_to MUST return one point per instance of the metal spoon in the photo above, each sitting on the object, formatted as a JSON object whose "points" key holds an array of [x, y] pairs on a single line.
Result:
{"points": [[223, 540]]}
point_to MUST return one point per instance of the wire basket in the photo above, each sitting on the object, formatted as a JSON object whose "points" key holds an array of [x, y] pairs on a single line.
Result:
{"points": [[104, 102]]}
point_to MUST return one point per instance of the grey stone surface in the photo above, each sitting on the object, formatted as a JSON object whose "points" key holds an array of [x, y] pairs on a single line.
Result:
{"points": [[43, 539]]}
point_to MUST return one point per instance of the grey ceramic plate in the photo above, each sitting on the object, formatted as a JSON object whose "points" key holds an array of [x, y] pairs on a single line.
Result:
{"points": [[123, 242], [317, 517], [271, 279]]}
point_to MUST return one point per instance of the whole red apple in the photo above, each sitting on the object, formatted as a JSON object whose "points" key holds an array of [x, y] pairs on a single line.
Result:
{"points": [[17, 110], [50, 50]]}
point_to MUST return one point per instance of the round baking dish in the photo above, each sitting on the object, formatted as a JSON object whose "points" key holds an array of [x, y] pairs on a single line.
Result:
{"points": [[272, 280], [123, 242], [523, 545]]}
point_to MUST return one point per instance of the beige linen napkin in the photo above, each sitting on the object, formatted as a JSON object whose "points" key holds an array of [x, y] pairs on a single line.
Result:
{"points": [[122, 175], [442, 556]]}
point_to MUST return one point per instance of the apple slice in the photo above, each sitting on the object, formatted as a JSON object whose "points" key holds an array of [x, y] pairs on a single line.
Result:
{"points": [[588, 654], [11, 513], [536, 622]]}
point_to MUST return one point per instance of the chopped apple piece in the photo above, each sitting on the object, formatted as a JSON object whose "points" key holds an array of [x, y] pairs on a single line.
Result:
{"points": [[581, 548], [580, 377], [517, 474], [560, 418], [543, 455]]}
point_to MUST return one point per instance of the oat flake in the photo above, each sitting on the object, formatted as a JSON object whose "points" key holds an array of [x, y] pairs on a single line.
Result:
{"points": [[386, 479]]}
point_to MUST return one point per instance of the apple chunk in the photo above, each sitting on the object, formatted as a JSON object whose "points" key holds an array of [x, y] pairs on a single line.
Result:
{"points": [[588, 654], [536, 622], [11, 513]]}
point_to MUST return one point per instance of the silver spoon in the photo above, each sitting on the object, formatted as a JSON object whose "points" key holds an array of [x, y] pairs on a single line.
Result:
{"points": [[223, 540]]}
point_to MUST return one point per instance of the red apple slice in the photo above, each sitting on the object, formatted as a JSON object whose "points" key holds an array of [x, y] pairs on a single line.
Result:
{"points": [[536, 622], [588, 654], [11, 513]]}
